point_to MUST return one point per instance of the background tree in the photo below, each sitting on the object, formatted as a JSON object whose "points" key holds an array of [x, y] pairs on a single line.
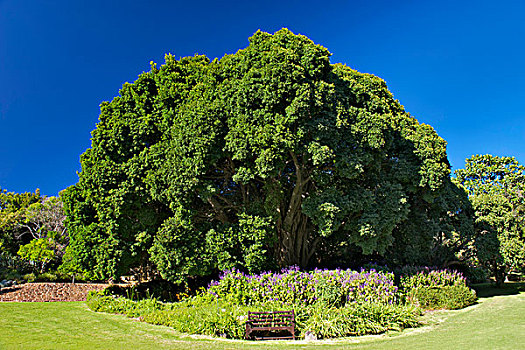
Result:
{"points": [[44, 220], [38, 252], [13, 207], [496, 187], [439, 233], [267, 157], [28, 223]]}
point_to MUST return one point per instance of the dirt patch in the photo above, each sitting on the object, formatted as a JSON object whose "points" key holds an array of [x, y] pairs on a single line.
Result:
{"points": [[46, 292]]}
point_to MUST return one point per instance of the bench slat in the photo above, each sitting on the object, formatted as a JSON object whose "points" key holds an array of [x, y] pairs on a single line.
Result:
{"points": [[271, 321]]}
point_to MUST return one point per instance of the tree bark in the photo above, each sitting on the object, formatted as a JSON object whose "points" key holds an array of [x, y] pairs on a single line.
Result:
{"points": [[293, 227]]}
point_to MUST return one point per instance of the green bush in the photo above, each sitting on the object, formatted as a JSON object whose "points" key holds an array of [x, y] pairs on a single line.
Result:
{"points": [[99, 301], [436, 289], [359, 319], [328, 303], [161, 290], [427, 277], [202, 315], [38, 251], [477, 274], [51, 276], [29, 277], [443, 297], [213, 319]]}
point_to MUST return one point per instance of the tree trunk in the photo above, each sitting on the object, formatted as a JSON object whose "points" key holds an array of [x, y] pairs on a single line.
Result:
{"points": [[294, 246], [499, 274], [293, 227]]}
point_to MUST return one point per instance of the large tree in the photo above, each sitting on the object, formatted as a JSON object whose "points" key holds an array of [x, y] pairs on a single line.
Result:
{"points": [[269, 156], [496, 187]]}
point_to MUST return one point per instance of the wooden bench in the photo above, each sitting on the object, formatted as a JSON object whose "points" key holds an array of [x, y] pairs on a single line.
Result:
{"points": [[270, 325]]}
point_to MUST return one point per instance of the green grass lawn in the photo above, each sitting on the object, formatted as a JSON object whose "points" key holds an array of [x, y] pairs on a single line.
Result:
{"points": [[496, 322]]}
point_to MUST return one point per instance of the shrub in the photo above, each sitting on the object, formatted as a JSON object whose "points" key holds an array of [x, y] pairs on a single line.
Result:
{"points": [[8, 274], [208, 318], [29, 277], [161, 290], [443, 297], [427, 277], [37, 251], [51, 276], [477, 274], [436, 289], [99, 301], [291, 287], [217, 318], [359, 319]]}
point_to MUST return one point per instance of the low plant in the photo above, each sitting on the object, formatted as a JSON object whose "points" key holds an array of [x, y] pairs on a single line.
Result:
{"points": [[477, 274], [101, 302], [202, 315], [428, 277], [161, 290], [193, 317], [29, 277], [8, 274], [360, 319], [51, 276], [327, 303], [437, 289], [215, 319], [443, 297]]}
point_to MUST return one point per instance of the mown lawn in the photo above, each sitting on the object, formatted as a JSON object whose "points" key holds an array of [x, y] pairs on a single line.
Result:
{"points": [[497, 322]]}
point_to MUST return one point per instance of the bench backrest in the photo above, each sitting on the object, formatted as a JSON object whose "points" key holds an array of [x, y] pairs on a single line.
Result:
{"points": [[271, 318]]}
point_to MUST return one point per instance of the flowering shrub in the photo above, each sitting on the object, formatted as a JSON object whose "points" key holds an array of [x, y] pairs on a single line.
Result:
{"points": [[427, 277], [291, 286], [437, 289]]}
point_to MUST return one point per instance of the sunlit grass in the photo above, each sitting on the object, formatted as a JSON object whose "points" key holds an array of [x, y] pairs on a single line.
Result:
{"points": [[497, 322]]}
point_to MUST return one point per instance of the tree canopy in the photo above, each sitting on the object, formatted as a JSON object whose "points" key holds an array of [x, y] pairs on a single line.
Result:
{"points": [[268, 157], [13, 219], [32, 226], [496, 187]]}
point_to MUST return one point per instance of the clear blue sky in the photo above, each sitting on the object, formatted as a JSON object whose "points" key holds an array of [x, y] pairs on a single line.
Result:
{"points": [[456, 65]]}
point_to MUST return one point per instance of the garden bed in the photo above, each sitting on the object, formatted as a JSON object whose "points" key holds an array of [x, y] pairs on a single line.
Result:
{"points": [[327, 303], [48, 292]]}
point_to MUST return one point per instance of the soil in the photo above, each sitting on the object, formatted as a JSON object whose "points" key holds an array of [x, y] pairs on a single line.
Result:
{"points": [[46, 292]]}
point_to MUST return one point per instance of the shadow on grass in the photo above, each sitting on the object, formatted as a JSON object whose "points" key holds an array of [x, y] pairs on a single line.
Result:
{"points": [[487, 290]]}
